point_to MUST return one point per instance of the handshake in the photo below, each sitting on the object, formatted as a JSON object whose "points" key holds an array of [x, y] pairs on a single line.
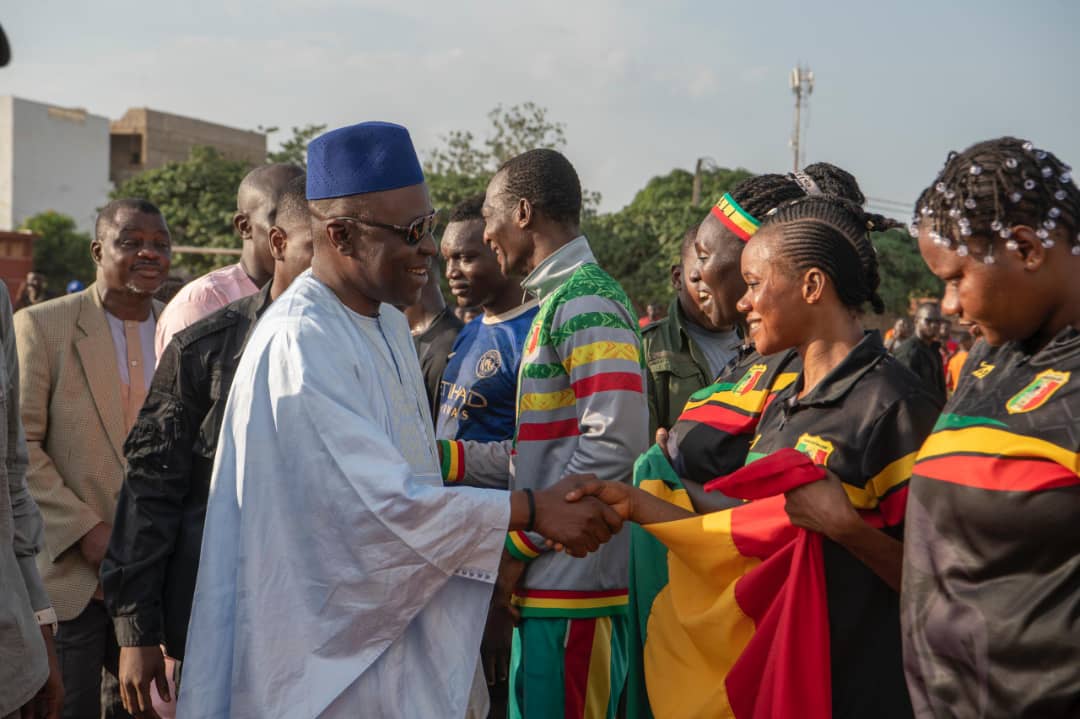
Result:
{"points": [[577, 515]]}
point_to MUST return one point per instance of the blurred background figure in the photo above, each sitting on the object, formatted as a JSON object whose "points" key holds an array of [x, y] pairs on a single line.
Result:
{"points": [[654, 312], [899, 332], [921, 353], [34, 289]]}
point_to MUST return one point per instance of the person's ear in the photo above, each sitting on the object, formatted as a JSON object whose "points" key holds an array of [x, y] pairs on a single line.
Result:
{"points": [[523, 213], [676, 277], [1029, 247], [242, 224], [813, 286], [278, 239], [96, 251], [339, 238]]}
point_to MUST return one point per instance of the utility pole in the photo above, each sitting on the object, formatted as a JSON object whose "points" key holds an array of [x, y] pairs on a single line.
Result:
{"points": [[695, 192], [802, 84]]}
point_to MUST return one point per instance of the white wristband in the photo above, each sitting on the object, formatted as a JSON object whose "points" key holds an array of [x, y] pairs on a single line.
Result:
{"points": [[47, 616]]}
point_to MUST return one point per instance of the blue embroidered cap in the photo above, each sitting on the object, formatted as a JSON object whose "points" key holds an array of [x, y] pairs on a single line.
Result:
{"points": [[369, 157]]}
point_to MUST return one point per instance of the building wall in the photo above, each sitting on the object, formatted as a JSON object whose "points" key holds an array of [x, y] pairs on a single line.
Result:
{"points": [[59, 160], [145, 139]]}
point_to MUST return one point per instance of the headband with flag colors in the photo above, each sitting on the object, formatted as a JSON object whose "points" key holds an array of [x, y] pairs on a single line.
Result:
{"points": [[735, 218]]}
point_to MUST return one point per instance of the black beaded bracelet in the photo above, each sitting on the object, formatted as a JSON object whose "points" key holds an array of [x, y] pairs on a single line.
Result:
{"points": [[532, 510]]}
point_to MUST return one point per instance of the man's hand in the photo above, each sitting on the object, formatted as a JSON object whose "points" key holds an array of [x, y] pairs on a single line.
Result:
{"points": [[823, 507], [94, 543], [138, 667], [581, 527], [49, 701], [495, 646]]}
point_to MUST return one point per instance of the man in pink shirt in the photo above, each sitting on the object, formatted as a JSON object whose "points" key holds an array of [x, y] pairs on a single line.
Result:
{"points": [[256, 207]]}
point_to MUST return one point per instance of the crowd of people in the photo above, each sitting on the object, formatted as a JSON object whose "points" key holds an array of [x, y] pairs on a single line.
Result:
{"points": [[308, 487]]}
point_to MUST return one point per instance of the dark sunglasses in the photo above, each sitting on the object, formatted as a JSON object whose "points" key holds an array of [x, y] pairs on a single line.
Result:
{"points": [[413, 233]]}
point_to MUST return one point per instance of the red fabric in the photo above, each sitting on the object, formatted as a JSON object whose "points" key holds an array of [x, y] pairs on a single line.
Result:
{"points": [[722, 418], [579, 641], [607, 382], [1000, 474], [540, 432], [785, 669]]}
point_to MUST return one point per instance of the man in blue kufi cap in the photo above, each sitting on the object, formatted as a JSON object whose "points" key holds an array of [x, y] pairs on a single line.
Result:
{"points": [[339, 577]]}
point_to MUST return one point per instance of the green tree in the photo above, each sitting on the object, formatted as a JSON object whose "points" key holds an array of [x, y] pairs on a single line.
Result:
{"points": [[463, 166], [294, 150], [903, 272], [198, 198], [61, 252]]}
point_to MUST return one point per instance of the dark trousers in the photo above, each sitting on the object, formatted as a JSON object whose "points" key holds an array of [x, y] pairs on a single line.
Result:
{"points": [[89, 655]]}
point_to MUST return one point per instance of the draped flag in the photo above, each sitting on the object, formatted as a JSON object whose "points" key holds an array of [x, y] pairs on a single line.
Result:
{"points": [[741, 629]]}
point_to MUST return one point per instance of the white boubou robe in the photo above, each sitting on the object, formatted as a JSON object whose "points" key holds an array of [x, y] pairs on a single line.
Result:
{"points": [[338, 578]]}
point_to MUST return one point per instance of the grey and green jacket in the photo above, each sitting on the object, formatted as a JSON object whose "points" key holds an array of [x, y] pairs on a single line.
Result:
{"points": [[581, 409]]}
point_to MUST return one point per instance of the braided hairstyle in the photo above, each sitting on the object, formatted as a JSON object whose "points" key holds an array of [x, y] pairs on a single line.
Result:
{"points": [[760, 194], [548, 181], [833, 234], [993, 186]]}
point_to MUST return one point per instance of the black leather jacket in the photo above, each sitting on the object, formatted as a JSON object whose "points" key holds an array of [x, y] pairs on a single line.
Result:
{"points": [[149, 571]]}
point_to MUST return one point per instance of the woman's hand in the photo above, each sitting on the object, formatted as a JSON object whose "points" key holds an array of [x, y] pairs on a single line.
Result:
{"points": [[823, 507]]}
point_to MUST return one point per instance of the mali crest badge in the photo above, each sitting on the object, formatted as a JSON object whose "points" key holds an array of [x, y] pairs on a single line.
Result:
{"points": [[1038, 391], [749, 380], [816, 448]]}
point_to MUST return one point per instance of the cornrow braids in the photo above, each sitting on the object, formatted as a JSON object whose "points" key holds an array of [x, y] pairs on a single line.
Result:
{"points": [[548, 181], [993, 186], [833, 234], [761, 194]]}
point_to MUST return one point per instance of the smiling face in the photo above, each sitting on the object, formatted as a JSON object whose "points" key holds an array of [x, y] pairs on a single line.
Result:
{"points": [[472, 268], [503, 232], [133, 253], [776, 313], [375, 262], [715, 274]]}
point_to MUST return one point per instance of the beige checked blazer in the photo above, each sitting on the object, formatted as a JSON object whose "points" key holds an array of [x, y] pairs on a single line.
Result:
{"points": [[74, 419]]}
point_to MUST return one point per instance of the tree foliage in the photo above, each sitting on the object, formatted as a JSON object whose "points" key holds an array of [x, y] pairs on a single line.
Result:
{"points": [[61, 252], [463, 166], [903, 272], [198, 198], [294, 150]]}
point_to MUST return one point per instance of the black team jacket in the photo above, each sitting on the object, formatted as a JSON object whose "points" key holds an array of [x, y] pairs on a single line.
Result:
{"points": [[149, 570]]}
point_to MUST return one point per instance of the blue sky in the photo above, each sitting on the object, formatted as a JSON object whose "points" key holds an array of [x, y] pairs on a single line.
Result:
{"points": [[641, 86]]}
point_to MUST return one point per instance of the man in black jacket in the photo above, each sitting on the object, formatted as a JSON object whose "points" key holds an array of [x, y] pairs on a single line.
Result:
{"points": [[149, 570], [921, 353]]}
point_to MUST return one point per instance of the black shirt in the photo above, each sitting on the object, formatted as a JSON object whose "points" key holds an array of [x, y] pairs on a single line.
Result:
{"points": [[149, 570], [865, 421], [925, 361], [991, 599], [433, 347]]}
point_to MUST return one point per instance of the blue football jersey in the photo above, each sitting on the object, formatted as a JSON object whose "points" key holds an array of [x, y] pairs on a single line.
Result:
{"points": [[477, 394]]}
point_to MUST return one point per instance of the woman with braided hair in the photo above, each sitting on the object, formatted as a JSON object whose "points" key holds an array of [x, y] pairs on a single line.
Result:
{"points": [[746, 626], [705, 440], [991, 596]]}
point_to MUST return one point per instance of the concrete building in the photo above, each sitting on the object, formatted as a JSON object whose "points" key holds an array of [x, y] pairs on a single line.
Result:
{"points": [[51, 158], [145, 139]]}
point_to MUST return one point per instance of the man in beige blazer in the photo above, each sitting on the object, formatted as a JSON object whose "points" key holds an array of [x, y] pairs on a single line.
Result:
{"points": [[85, 361]]}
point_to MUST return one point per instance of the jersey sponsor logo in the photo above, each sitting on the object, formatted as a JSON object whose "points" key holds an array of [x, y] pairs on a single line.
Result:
{"points": [[1038, 391], [489, 364], [816, 448], [750, 379], [983, 370]]}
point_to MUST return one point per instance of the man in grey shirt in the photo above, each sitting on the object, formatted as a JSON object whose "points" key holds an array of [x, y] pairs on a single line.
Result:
{"points": [[29, 672]]}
